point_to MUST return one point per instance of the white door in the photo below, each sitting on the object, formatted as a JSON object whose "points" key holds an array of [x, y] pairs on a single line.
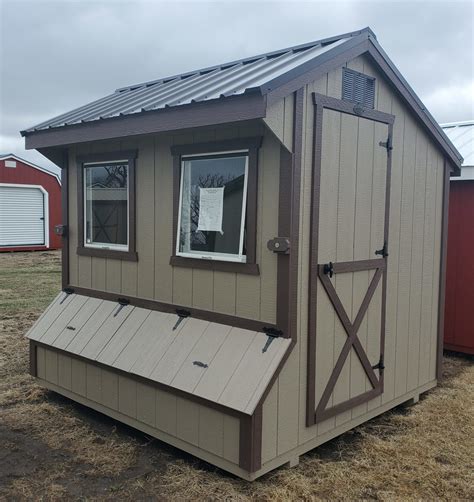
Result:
{"points": [[23, 215]]}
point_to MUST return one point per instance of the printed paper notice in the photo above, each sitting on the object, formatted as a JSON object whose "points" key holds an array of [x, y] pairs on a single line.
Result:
{"points": [[211, 208]]}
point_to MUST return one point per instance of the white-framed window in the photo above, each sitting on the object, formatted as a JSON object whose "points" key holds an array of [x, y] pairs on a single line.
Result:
{"points": [[106, 205], [212, 206]]}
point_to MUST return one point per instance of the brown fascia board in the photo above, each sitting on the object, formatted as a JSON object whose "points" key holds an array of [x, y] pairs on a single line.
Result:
{"points": [[220, 111], [394, 76]]}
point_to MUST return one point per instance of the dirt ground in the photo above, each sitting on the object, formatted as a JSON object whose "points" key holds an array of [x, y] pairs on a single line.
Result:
{"points": [[52, 448]]}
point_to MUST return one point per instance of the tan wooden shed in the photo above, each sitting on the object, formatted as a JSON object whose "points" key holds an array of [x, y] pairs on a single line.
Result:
{"points": [[254, 252]]}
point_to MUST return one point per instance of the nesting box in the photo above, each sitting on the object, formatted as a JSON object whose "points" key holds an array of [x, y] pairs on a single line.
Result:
{"points": [[254, 252]]}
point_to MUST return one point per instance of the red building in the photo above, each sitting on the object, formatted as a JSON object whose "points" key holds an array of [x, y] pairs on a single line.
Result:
{"points": [[30, 206], [459, 323]]}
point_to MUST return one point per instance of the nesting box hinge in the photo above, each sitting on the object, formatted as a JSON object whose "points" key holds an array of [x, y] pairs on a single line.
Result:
{"points": [[60, 230], [280, 245], [68, 291], [271, 333], [380, 365], [123, 302], [387, 144], [182, 314]]}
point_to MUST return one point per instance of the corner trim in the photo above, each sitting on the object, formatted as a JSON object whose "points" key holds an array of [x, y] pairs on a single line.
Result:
{"points": [[442, 272]]}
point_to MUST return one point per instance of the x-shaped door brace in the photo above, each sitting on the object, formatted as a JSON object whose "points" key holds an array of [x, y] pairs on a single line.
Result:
{"points": [[351, 330]]}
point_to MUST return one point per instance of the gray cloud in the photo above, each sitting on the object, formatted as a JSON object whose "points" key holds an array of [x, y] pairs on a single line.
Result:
{"points": [[57, 54]]}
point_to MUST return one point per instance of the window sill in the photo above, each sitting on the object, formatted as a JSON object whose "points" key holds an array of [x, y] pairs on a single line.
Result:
{"points": [[221, 266], [108, 253]]}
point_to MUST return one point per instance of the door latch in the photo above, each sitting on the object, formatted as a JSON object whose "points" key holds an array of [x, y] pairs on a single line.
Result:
{"points": [[383, 252], [329, 269], [280, 245]]}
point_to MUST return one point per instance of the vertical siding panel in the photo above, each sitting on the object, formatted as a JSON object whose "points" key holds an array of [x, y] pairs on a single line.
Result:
{"points": [[224, 292], [416, 274], [187, 421], [394, 248], [72, 208], [64, 371], [270, 428], [406, 233], [109, 389], [427, 267], [146, 409], [166, 411], [93, 383], [99, 269], [163, 219], [113, 276], [231, 439], [211, 431], [51, 366], [127, 396], [41, 362], [288, 397], [78, 372], [145, 217], [203, 289]]}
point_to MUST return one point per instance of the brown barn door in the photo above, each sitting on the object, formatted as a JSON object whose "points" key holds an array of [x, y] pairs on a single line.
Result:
{"points": [[348, 258]]}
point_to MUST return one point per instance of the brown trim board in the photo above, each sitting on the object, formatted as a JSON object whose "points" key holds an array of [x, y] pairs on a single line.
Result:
{"points": [[315, 414], [250, 451], [33, 359], [207, 315], [65, 219], [442, 273], [130, 156]]}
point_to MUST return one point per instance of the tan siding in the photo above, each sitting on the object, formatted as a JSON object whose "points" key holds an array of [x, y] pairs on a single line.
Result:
{"points": [[209, 429], [411, 324]]}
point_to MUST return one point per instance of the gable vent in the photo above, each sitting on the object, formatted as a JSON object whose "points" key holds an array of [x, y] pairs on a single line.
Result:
{"points": [[358, 88]]}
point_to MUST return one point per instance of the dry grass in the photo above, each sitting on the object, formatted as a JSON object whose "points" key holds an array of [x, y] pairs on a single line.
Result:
{"points": [[52, 449]]}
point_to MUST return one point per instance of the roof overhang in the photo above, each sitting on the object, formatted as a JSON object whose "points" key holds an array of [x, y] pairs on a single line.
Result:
{"points": [[250, 105], [220, 111]]}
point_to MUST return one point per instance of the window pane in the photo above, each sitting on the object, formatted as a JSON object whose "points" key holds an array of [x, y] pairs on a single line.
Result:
{"points": [[213, 206], [106, 204]]}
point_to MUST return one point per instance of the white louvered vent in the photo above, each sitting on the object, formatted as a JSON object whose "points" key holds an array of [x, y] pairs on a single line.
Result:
{"points": [[358, 88]]}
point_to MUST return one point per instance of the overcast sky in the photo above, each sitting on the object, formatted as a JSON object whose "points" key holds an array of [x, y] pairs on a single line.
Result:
{"points": [[56, 55]]}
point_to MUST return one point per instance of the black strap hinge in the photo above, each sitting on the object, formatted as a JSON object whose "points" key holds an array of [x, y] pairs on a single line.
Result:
{"points": [[123, 302], [68, 291], [387, 144], [182, 315], [272, 333]]}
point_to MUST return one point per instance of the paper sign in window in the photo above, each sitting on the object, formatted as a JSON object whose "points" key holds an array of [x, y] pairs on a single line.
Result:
{"points": [[211, 209]]}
